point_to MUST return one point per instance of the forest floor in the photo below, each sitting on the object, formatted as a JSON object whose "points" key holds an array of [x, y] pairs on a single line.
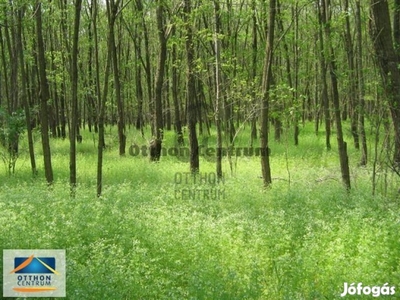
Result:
{"points": [[157, 233]]}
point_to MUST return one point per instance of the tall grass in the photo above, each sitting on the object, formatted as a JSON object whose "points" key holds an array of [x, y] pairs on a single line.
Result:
{"points": [[301, 239]]}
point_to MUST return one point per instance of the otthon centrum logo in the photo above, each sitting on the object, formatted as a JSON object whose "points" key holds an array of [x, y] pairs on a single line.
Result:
{"points": [[34, 273]]}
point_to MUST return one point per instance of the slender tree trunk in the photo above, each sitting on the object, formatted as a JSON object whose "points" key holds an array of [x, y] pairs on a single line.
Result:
{"points": [[254, 64], [74, 106], [292, 85], [177, 114], [4, 63], [266, 85], [168, 116], [24, 90], [100, 98], [296, 74], [112, 11], [139, 88], [191, 91], [147, 64], [217, 112], [342, 146], [360, 87], [53, 89], [396, 27], [101, 142], [323, 66], [91, 104], [64, 61], [10, 32], [44, 95], [199, 106], [354, 106], [155, 147]]}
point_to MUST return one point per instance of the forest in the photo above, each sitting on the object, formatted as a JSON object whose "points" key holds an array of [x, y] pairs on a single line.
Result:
{"points": [[204, 149]]}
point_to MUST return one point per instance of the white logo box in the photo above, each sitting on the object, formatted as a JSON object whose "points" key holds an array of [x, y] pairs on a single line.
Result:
{"points": [[51, 283]]}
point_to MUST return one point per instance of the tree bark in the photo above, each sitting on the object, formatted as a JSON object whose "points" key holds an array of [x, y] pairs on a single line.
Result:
{"points": [[254, 63], [323, 66], [342, 146], [177, 114], [74, 106], [217, 112], [23, 93], [191, 92], [387, 59], [44, 95], [158, 132], [112, 11], [354, 106], [139, 89], [100, 98], [360, 86], [266, 86]]}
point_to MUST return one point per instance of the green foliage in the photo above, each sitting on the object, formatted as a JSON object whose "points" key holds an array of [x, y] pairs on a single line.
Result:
{"points": [[11, 127], [142, 241]]}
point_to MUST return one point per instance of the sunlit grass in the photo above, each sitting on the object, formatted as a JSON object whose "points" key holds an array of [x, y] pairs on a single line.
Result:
{"points": [[301, 239]]}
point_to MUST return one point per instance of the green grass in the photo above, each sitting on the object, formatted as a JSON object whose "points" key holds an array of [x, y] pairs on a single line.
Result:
{"points": [[301, 239]]}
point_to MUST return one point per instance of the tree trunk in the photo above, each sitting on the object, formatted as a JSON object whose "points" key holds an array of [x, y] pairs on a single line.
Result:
{"points": [[13, 67], [177, 114], [147, 63], [101, 98], [360, 87], [139, 89], [254, 64], [354, 106], [74, 106], [217, 88], [167, 102], [24, 92], [191, 92], [342, 146], [388, 62], [266, 85], [44, 95], [112, 11], [91, 99], [4, 63], [323, 66], [155, 146]]}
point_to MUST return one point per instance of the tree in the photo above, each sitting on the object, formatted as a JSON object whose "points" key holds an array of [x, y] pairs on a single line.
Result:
{"points": [[74, 109], [24, 90], [44, 94], [266, 87], [360, 85], [353, 101], [388, 62], [155, 151], [112, 13], [101, 98], [218, 84], [191, 91], [175, 93], [323, 67], [342, 146]]}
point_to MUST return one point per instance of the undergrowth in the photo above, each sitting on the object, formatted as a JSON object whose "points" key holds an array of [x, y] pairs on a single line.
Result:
{"points": [[145, 239]]}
